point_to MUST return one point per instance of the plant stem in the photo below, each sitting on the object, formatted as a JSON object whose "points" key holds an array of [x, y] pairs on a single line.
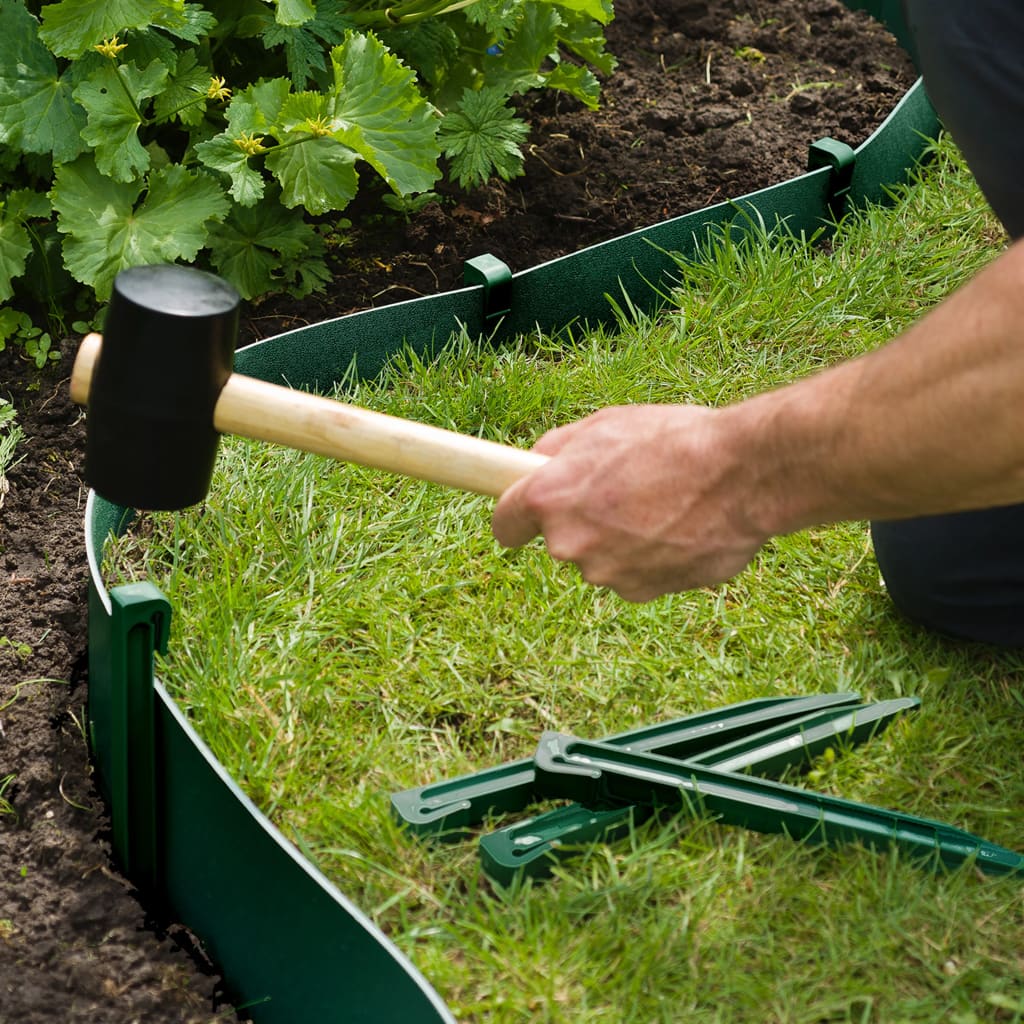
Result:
{"points": [[124, 88], [403, 14]]}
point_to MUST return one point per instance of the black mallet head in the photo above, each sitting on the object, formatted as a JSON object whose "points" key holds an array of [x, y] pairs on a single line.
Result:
{"points": [[168, 350]]}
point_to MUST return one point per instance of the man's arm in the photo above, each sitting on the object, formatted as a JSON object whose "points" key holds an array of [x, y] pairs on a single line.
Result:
{"points": [[653, 499]]}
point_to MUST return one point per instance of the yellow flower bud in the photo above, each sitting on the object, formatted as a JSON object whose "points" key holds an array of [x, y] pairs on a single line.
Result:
{"points": [[110, 47]]}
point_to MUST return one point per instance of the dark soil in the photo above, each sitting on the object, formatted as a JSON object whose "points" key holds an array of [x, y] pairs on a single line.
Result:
{"points": [[710, 101]]}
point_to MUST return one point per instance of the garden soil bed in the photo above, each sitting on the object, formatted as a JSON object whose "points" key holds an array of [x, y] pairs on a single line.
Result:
{"points": [[710, 101]]}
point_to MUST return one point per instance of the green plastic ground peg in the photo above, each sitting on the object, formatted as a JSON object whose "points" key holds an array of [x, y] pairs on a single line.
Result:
{"points": [[443, 810], [496, 278], [602, 774], [139, 626], [534, 846]]}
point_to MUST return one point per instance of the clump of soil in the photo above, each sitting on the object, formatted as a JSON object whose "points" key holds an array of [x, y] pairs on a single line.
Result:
{"points": [[710, 101]]}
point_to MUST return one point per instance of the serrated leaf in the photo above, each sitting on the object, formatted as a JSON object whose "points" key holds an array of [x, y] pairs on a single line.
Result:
{"points": [[293, 12], [223, 153], [38, 113], [497, 16], [482, 138], [183, 98], [25, 204], [269, 98], [112, 97], [108, 228], [242, 19], [586, 40], [318, 174], [577, 81], [432, 47], [250, 116], [197, 23], [15, 248], [599, 10], [73, 26], [252, 247], [374, 108], [307, 44], [534, 42], [228, 153]]}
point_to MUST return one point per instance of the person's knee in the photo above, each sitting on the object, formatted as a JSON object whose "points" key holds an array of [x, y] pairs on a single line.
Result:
{"points": [[969, 55], [960, 575]]}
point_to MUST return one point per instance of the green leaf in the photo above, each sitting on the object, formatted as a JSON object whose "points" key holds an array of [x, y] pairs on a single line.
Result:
{"points": [[15, 247], [586, 40], [482, 138], [197, 23], [306, 44], [112, 97], [73, 26], [142, 48], [109, 228], [264, 248], [432, 47], [318, 174], [37, 111], [184, 97], [249, 115], [599, 10], [535, 41], [269, 98], [577, 81], [374, 108], [25, 204], [294, 12], [228, 152], [497, 16]]}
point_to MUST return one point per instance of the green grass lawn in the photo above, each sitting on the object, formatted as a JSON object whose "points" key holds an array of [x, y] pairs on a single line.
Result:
{"points": [[340, 634]]}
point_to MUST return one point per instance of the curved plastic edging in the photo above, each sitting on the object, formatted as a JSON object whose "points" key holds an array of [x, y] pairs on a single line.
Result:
{"points": [[290, 945], [288, 942]]}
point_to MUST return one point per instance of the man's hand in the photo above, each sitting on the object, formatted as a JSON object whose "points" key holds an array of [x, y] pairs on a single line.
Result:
{"points": [[646, 500], [657, 498]]}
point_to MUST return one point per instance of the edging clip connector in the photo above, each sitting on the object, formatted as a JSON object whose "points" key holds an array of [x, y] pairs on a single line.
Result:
{"points": [[496, 277], [828, 152]]}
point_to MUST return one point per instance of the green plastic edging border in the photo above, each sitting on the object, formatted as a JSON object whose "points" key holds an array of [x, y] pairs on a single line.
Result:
{"points": [[290, 945]]}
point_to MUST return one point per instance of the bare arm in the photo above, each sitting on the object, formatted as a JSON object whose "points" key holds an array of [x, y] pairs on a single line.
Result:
{"points": [[652, 499]]}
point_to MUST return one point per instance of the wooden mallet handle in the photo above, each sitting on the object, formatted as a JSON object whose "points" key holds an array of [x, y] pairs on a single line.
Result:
{"points": [[269, 412]]}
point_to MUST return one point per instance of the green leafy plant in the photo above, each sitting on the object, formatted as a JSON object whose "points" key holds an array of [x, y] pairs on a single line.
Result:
{"points": [[17, 327], [21, 649], [144, 131]]}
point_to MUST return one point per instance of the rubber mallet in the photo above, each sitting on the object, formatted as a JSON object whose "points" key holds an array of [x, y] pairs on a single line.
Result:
{"points": [[160, 390]]}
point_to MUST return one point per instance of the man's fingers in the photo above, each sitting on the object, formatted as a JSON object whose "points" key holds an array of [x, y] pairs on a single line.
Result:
{"points": [[556, 439], [512, 524]]}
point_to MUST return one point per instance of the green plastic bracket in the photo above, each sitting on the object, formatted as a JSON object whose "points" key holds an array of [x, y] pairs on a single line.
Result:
{"points": [[138, 627], [496, 278], [841, 159]]}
